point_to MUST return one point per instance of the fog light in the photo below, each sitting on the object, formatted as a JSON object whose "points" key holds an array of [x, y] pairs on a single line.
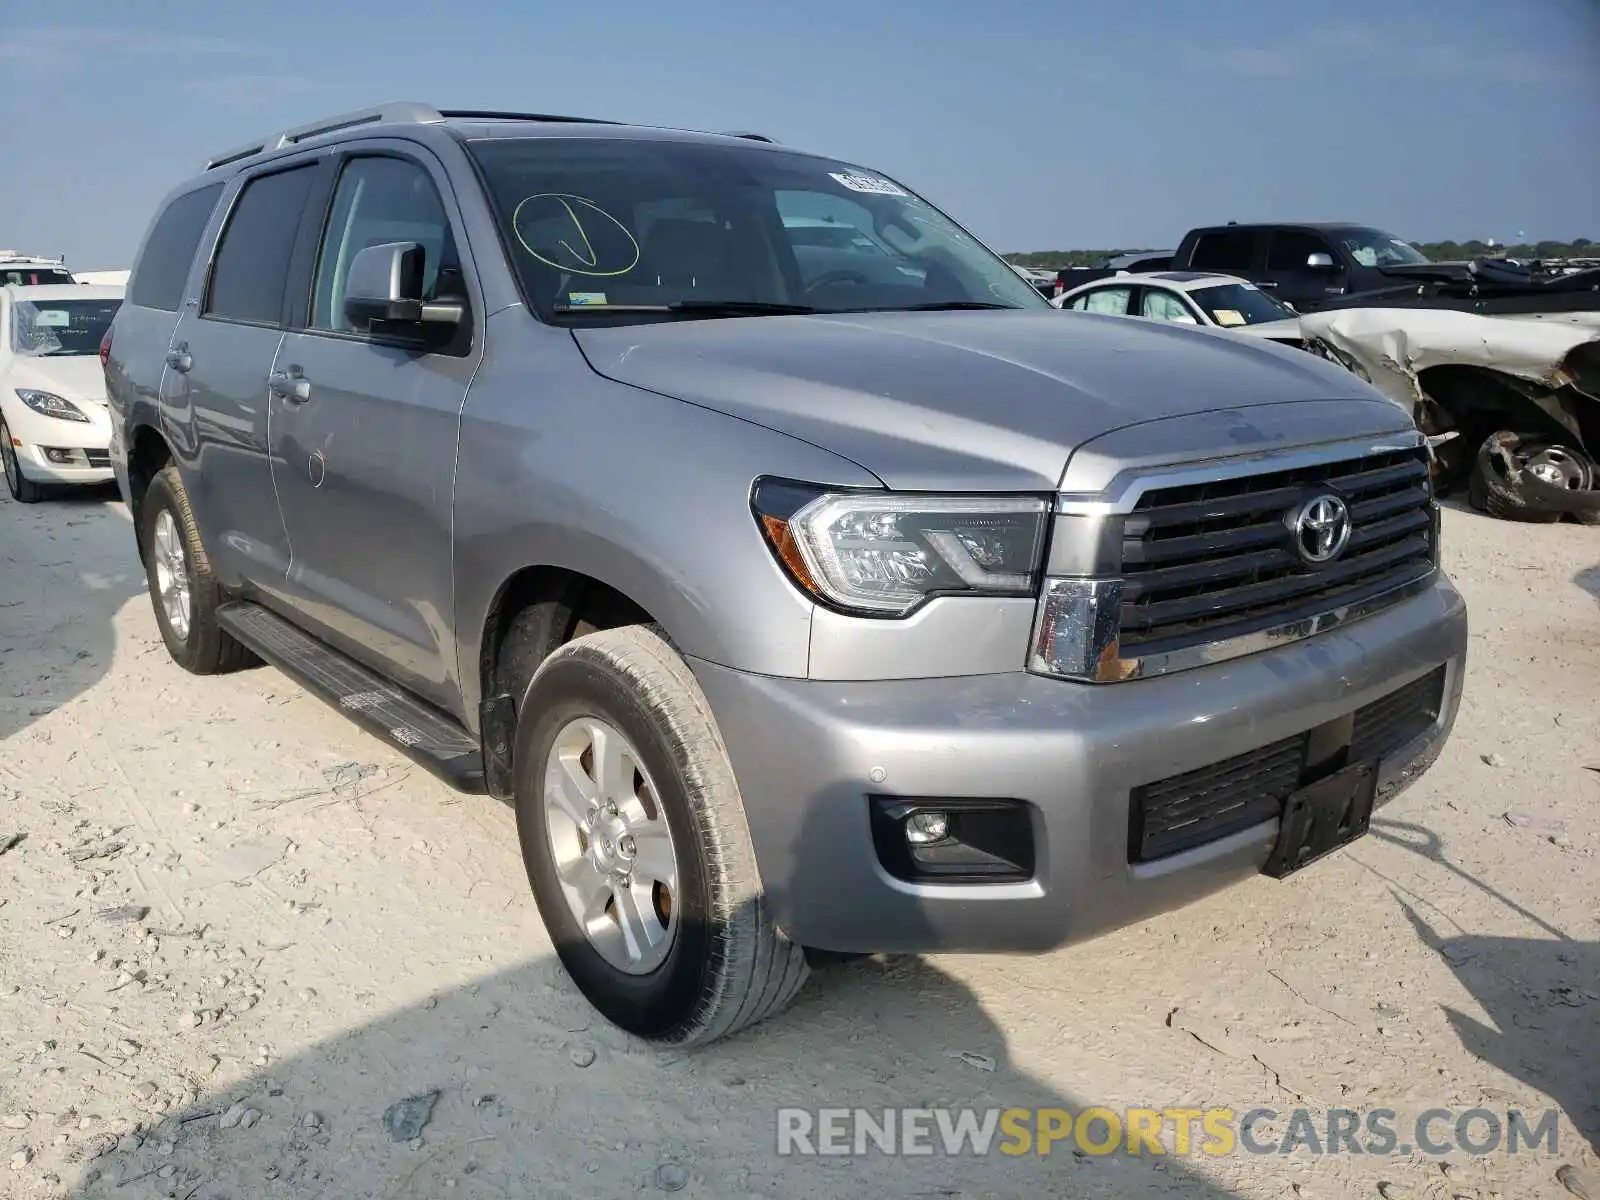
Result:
{"points": [[949, 839], [62, 457], [925, 828]]}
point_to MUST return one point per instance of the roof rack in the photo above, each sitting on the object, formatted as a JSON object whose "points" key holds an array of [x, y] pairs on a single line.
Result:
{"points": [[402, 112], [494, 114], [405, 112]]}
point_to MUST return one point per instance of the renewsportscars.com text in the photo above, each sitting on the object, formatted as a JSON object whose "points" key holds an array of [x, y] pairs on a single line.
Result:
{"points": [[1180, 1132]]}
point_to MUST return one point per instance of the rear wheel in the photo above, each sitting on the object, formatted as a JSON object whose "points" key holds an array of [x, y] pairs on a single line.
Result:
{"points": [[634, 837], [23, 490], [183, 590]]}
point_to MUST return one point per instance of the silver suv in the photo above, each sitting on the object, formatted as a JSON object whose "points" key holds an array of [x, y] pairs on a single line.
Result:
{"points": [[805, 595]]}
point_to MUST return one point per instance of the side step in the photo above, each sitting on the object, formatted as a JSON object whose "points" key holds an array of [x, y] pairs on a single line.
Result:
{"points": [[421, 732]]}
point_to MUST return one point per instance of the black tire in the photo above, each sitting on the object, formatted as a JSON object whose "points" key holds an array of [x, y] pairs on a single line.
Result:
{"points": [[728, 966], [207, 649], [23, 490], [1490, 491]]}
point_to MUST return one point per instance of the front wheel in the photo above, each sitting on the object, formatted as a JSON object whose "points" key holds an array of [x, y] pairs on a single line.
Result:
{"points": [[635, 841], [23, 490]]}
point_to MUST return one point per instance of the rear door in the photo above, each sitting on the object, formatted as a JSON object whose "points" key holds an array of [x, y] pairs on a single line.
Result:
{"points": [[1112, 300], [1228, 251], [364, 437], [1289, 275], [215, 392], [143, 329]]}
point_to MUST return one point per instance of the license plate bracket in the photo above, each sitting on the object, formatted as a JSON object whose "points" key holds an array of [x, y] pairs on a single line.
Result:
{"points": [[1322, 817]]}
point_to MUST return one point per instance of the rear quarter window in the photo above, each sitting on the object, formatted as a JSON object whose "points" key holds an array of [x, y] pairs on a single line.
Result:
{"points": [[163, 266]]}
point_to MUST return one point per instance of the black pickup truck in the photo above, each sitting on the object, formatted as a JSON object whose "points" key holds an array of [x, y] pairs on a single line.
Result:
{"points": [[1356, 266], [1340, 266]]}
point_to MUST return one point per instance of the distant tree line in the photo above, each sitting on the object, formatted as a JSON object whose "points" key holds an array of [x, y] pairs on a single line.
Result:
{"points": [[1437, 251]]}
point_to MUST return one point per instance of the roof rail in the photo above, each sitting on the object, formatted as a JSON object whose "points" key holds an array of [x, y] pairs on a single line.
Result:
{"points": [[495, 114], [402, 112], [750, 137]]}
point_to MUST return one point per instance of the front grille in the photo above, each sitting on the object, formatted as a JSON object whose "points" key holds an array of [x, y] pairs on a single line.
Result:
{"points": [[1184, 811], [1206, 562]]}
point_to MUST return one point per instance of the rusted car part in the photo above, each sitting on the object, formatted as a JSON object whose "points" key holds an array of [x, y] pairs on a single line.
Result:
{"points": [[1521, 394]]}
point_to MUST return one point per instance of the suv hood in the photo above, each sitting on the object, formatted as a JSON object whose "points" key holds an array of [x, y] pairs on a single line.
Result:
{"points": [[70, 376], [989, 401]]}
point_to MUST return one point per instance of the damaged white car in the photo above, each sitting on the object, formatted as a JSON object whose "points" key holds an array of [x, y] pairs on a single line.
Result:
{"points": [[1512, 403]]}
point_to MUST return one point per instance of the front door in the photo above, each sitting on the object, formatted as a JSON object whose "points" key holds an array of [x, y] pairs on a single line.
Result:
{"points": [[1289, 275], [364, 435]]}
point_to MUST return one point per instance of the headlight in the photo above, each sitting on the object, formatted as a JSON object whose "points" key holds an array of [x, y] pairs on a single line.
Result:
{"points": [[48, 404], [883, 554]]}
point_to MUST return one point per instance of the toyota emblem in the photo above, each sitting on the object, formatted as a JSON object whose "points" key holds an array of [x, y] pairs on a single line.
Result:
{"points": [[1321, 528]]}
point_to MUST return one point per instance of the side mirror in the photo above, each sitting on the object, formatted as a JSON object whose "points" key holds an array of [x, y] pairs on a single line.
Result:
{"points": [[385, 284], [1320, 261]]}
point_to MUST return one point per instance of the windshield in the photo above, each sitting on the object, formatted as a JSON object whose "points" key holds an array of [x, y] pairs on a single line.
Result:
{"points": [[1234, 304], [51, 328], [654, 229], [1374, 248]]}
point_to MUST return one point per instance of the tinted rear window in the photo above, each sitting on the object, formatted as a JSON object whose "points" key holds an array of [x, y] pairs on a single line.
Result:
{"points": [[253, 261], [163, 268], [12, 274], [1227, 252]]}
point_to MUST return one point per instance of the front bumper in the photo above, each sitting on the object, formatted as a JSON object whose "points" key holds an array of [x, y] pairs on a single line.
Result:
{"points": [[55, 451], [808, 755], [87, 465]]}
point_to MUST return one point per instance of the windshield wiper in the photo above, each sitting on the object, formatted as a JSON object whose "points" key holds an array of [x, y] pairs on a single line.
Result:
{"points": [[936, 306], [698, 308]]}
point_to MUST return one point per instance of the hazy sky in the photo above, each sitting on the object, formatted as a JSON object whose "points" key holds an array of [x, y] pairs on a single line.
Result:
{"points": [[1041, 124]]}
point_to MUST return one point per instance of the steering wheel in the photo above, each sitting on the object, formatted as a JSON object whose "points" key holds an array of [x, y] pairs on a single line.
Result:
{"points": [[837, 279]]}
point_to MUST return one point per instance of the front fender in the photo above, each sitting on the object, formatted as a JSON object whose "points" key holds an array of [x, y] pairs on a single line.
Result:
{"points": [[559, 467]]}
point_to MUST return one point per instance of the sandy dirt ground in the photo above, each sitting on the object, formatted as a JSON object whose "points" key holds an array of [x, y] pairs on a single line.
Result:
{"points": [[237, 931]]}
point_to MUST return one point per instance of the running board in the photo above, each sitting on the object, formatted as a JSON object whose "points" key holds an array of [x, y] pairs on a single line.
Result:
{"points": [[428, 737]]}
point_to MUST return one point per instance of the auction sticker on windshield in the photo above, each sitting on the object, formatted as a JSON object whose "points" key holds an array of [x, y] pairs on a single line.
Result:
{"points": [[871, 184]]}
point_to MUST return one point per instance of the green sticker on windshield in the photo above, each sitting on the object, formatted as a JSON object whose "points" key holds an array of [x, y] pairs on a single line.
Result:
{"points": [[578, 298]]}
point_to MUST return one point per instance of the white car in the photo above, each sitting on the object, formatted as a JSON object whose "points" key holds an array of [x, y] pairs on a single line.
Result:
{"points": [[1188, 298], [54, 428]]}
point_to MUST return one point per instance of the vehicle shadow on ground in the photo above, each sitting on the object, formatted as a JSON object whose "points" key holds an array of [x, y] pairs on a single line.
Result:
{"points": [[538, 1096], [1535, 991], [67, 565], [516, 1115], [1589, 580]]}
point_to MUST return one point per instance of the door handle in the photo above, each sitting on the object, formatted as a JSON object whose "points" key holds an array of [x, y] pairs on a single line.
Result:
{"points": [[291, 385], [179, 360]]}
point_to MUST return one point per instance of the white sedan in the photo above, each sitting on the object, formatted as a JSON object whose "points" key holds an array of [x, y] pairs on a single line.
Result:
{"points": [[1188, 298], [54, 428]]}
